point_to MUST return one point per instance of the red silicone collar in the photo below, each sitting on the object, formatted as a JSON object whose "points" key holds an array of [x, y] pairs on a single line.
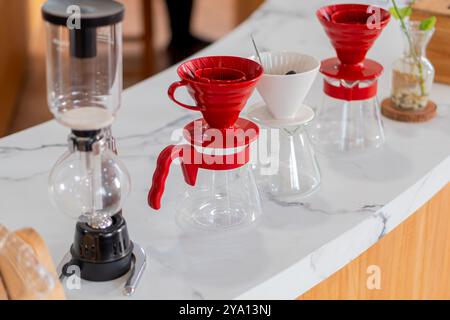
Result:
{"points": [[350, 94]]}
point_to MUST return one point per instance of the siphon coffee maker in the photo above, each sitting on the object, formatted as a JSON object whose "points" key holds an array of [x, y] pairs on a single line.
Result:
{"points": [[290, 171], [221, 192], [349, 118], [89, 182]]}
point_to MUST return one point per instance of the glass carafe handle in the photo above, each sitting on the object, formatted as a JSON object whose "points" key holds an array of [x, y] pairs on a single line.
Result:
{"points": [[186, 154]]}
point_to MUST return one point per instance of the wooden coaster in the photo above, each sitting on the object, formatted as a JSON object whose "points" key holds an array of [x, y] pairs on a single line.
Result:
{"points": [[389, 110]]}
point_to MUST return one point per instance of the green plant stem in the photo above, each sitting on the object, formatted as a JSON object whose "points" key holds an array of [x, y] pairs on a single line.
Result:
{"points": [[412, 50]]}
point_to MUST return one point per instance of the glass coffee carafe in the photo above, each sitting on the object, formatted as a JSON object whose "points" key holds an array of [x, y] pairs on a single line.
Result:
{"points": [[221, 192], [290, 171], [348, 123], [221, 199]]}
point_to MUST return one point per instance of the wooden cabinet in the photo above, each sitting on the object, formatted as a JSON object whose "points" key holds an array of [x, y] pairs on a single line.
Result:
{"points": [[13, 52], [245, 8], [438, 50]]}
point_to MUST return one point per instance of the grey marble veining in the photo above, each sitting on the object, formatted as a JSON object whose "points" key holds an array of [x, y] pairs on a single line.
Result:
{"points": [[293, 247]]}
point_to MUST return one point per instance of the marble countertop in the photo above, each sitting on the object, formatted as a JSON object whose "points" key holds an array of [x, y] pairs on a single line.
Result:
{"points": [[292, 248]]}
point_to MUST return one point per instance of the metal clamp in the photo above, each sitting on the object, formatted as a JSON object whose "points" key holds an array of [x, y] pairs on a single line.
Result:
{"points": [[137, 270]]}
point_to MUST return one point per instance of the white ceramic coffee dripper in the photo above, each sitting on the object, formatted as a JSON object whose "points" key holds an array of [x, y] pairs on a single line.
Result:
{"points": [[284, 94]]}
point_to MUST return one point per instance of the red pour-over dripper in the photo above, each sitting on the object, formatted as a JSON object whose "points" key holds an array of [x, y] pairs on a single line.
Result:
{"points": [[353, 29], [220, 102]]}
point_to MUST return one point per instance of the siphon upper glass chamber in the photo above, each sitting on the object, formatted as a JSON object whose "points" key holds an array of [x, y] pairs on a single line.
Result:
{"points": [[84, 61]]}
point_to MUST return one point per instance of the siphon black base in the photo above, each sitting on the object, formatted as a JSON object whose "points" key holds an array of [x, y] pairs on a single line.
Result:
{"points": [[102, 255]]}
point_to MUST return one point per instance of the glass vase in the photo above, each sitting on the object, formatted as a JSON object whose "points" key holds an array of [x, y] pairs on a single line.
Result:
{"points": [[413, 73]]}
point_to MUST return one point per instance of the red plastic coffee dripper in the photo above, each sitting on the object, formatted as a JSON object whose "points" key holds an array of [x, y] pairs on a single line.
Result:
{"points": [[353, 29], [219, 75], [220, 103]]}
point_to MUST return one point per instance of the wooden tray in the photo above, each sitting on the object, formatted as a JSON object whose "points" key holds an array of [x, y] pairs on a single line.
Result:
{"points": [[12, 285]]}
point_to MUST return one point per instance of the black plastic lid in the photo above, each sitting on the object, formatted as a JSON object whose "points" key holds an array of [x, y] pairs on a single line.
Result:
{"points": [[94, 13]]}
